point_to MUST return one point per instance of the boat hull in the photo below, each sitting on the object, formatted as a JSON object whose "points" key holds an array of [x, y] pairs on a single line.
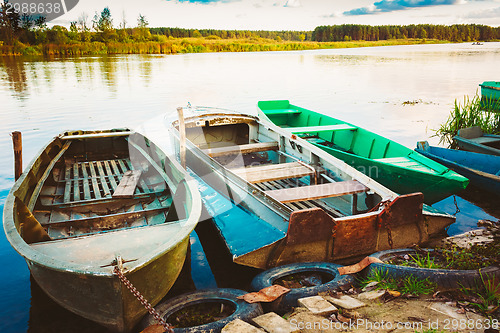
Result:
{"points": [[402, 180], [75, 266], [467, 164], [104, 299], [389, 163], [490, 95]]}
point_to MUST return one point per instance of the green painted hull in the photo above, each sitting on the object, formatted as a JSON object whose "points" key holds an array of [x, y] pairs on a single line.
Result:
{"points": [[389, 163], [490, 95]]}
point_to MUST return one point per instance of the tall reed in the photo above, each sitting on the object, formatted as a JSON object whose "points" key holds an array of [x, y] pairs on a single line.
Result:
{"points": [[471, 113]]}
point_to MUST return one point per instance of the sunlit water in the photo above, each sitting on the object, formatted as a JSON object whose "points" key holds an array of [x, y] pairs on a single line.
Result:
{"points": [[365, 86]]}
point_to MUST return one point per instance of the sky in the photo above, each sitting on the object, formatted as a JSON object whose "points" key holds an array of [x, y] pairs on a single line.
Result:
{"points": [[287, 14]]}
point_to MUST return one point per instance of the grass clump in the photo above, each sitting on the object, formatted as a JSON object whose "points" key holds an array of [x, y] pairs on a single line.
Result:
{"points": [[470, 113], [485, 296], [410, 285]]}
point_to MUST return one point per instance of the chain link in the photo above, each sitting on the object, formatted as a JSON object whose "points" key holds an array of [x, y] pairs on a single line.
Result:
{"points": [[456, 205], [168, 328]]}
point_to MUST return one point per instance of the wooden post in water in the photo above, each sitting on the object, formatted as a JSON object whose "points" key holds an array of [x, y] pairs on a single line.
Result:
{"points": [[182, 142], [18, 153]]}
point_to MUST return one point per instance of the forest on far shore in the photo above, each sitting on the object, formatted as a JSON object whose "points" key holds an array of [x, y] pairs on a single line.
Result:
{"points": [[27, 35]]}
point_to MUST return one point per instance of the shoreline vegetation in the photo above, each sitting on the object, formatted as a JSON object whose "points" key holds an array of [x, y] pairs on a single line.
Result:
{"points": [[191, 45], [24, 35]]}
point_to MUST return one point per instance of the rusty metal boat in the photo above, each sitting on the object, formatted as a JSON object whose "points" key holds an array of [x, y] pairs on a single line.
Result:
{"points": [[276, 199], [92, 199]]}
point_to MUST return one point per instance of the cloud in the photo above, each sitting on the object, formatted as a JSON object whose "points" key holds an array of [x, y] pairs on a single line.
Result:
{"points": [[384, 6], [488, 13], [292, 3], [206, 2]]}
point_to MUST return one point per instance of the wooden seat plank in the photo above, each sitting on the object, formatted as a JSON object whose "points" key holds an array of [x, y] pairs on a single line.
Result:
{"points": [[313, 192], [128, 183], [110, 175], [86, 187], [269, 172], [67, 187], [95, 184], [76, 188], [241, 149], [326, 128], [485, 139]]}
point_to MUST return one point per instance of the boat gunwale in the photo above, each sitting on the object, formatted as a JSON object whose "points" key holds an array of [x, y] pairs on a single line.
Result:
{"points": [[50, 262]]}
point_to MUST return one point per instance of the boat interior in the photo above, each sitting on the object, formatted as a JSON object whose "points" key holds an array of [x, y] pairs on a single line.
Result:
{"points": [[90, 184], [476, 135], [287, 172]]}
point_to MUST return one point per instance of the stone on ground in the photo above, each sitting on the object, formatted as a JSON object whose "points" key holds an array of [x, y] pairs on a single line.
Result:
{"points": [[372, 295], [273, 323], [239, 326], [317, 305], [345, 302]]}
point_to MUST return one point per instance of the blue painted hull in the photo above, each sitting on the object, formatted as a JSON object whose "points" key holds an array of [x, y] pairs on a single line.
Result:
{"points": [[482, 170]]}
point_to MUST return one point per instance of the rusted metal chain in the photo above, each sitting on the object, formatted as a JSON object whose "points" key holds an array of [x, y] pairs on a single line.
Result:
{"points": [[118, 271]]}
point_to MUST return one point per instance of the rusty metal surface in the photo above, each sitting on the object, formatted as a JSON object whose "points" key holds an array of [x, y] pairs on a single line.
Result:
{"points": [[309, 225], [358, 267], [267, 294]]}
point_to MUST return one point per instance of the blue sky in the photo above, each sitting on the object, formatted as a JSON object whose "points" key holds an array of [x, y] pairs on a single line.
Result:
{"points": [[289, 14]]}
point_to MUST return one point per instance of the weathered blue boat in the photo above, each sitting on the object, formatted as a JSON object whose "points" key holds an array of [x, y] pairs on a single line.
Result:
{"points": [[473, 139], [482, 170]]}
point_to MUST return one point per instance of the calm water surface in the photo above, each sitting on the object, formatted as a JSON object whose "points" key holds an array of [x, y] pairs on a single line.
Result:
{"points": [[367, 86]]}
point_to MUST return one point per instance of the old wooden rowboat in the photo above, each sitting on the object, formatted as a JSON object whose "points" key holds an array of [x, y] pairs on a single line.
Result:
{"points": [[490, 95], [277, 199], [483, 170], [90, 198], [473, 139], [389, 163]]}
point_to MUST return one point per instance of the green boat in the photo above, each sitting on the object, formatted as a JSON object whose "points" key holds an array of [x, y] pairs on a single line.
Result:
{"points": [[490, 95], [389, 163], [94, 200]]}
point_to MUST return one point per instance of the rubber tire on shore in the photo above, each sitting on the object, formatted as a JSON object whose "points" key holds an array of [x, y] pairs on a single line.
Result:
{"points": [[289, 300], [243, 311], [444, 278]]}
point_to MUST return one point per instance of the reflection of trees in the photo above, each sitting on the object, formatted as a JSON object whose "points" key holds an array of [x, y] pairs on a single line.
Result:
{"points": [[16, 75]]}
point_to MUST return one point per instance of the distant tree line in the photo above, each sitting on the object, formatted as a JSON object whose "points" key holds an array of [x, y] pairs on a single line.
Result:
{"points": [[453, 33], [24, 34], [226, 34]]}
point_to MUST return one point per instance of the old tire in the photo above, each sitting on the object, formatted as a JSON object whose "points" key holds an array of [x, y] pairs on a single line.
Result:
{"points": [[444, 278], [243, 310], [285, 303]]}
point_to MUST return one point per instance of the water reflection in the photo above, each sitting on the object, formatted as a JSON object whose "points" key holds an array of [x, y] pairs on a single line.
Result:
{"points": [[14, 68]]}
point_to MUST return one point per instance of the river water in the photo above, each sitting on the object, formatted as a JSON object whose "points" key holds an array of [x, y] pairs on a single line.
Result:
{"points": [[365, 86]]}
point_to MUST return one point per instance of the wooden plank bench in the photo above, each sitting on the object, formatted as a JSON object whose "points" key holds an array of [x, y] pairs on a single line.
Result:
{"points": [[313, 192], [270, 172], [128, 183], [241, 149], [326, 128]]}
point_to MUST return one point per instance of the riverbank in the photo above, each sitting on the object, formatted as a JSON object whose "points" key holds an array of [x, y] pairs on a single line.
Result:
{"points": [[193, 45]]}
